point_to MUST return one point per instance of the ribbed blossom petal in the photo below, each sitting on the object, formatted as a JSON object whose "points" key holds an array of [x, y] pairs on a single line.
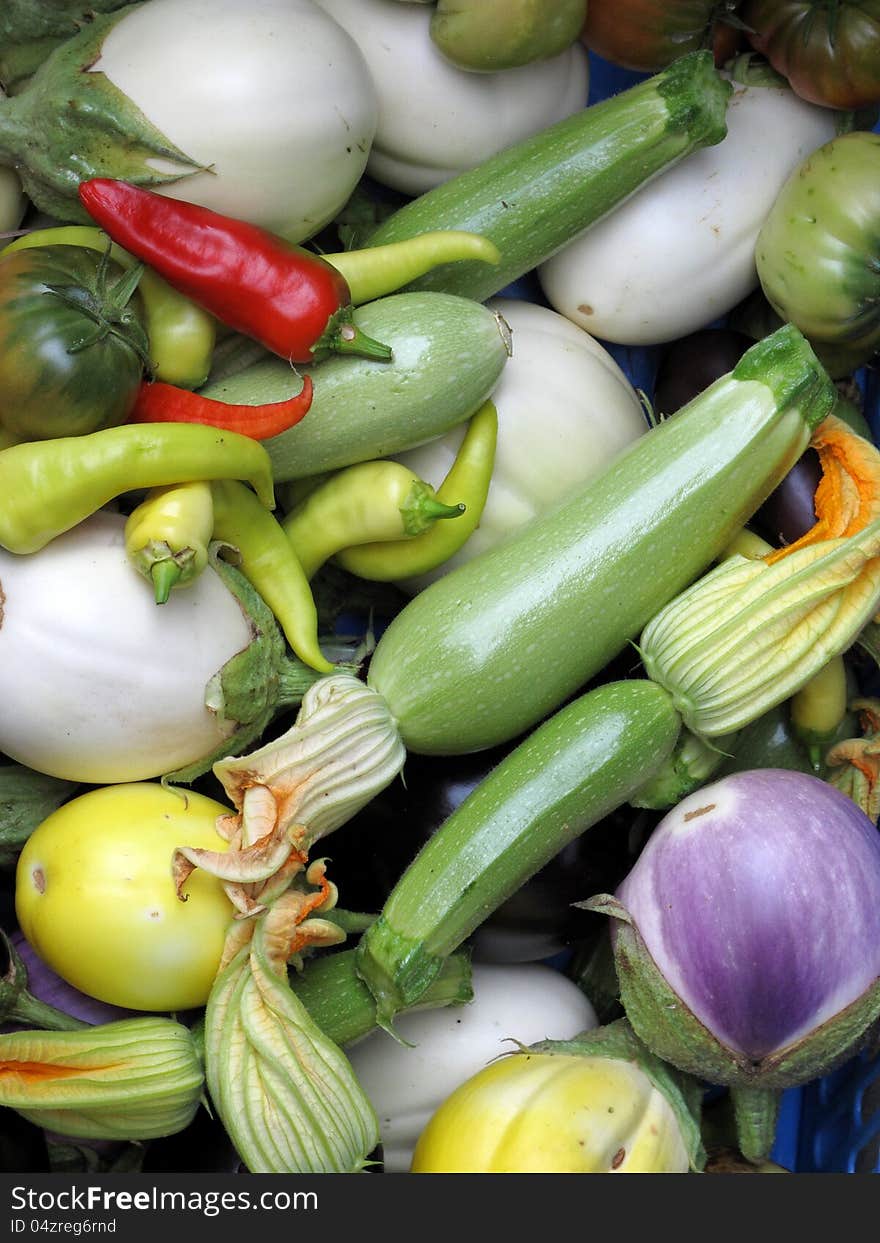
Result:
{"points": [[754, 630], [748, 635], [130, 1080]]}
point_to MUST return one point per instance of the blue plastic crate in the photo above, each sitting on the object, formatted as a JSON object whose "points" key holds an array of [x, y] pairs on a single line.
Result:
{"points": [[838, 1125]]}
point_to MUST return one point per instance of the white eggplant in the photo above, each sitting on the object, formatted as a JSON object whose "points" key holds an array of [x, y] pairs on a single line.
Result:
{"points": [[260, 109], [565, 409], [436, 120], [525, 1002], [98, 683], [680, 252]]}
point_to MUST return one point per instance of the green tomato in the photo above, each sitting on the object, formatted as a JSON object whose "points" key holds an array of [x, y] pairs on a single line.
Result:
{"points": [[756, 318], [72, 346], [95, 898], [492, 35], [818, 252]]}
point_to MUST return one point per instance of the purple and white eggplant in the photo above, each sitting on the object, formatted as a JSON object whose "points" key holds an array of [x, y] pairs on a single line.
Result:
{"points": [[747, 937]]}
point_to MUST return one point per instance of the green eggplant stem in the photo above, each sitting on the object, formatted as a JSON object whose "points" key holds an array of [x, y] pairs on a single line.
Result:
{"points": [[19, 1006], [756, 1111], [29, 1011]]}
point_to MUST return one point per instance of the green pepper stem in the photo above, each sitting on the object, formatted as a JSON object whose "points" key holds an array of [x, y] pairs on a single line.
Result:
{"points": [[422, 507], [164, 575], [470, 476], [433, 508], [349, 339]]}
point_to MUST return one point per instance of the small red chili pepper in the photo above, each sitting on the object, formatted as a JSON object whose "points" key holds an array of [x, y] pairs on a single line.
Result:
{"points": [[165, 403], [290, 300]]}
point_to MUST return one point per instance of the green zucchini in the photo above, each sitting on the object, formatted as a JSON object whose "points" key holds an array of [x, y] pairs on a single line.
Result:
{"points": [[535, 196], [573, 770], [345, 1009], [498, 643], [448, 353]]}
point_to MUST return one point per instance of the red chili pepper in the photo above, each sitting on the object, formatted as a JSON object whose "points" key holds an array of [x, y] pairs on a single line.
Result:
{"points": [[165, 403], [290, 300]]}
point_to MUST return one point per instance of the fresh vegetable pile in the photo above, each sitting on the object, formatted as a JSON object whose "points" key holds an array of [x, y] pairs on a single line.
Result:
{"points": [[395, 446]]}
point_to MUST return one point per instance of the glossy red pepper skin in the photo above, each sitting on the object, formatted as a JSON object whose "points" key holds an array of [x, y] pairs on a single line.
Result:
{"points": [[165, 403], [290, 300]]}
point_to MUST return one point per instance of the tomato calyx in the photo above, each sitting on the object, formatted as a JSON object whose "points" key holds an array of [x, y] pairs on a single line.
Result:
{"points": [[108, 306]]}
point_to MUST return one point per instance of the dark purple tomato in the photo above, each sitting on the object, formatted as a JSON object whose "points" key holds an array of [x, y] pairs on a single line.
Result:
{"points": [[691, 364], [369, 853], [789, 512]]}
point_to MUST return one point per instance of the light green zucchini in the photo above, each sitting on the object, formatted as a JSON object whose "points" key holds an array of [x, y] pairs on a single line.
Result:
{"points": [[448, 353], [573, 770], [493, 647], [535, 196]]}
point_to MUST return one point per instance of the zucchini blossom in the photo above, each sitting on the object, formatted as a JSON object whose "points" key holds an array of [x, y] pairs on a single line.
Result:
{"points": [[135, 1079], [752, 631]]}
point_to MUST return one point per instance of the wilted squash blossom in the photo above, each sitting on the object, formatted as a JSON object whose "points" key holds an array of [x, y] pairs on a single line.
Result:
{"points": [[598, 1104]]}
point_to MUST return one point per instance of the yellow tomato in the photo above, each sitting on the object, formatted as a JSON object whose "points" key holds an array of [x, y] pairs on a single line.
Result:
{"points": [[96, 901], [539, 1113]]}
